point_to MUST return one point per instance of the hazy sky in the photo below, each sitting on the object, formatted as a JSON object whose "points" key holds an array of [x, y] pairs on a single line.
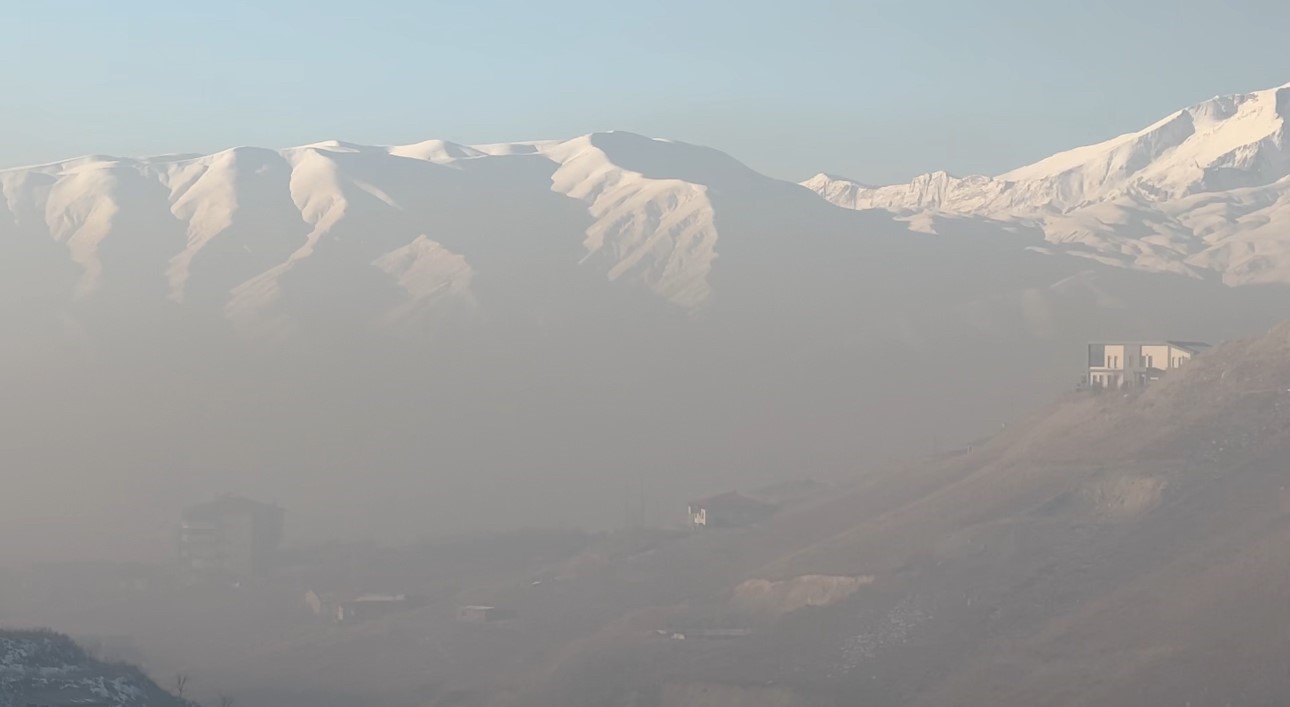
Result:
{"points": [[878, 90]]}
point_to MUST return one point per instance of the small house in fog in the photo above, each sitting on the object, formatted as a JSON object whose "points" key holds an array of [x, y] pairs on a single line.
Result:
{"points": [[707, 633], [728, 510], [374, 606], [480, 614], [1113, 365], [792, 492], [320, 604]]}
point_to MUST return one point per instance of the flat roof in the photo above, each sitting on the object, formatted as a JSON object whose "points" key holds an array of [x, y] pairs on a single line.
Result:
{"points": [[1189, 345], [729, 497], [378, 598]]}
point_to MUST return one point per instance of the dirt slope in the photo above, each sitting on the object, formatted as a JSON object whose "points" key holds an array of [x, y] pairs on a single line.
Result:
{"points": [[1112, 550]]}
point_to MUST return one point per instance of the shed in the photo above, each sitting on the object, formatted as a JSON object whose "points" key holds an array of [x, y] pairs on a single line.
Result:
{"points": [[731, 509]]}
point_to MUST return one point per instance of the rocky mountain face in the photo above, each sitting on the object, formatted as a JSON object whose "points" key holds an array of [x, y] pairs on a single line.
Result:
{"points": [[43, 668]]}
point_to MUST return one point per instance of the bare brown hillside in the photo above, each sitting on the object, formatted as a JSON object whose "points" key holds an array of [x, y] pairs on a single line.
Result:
{"points": [[1112, 550], [1109, 550]]}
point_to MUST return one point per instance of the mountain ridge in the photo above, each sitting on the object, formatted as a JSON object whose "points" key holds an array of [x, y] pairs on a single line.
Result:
{"points": [[42, 667], [1205, 190], [281, 206], [648, 289]]}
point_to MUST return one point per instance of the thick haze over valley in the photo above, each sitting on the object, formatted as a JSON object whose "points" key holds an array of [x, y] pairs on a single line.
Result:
{"points": [[573, 416], [433, 328]]}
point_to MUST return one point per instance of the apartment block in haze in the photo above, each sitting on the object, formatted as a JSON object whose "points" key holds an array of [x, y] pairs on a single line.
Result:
{"points": [[1122, 364], [230, 536]]}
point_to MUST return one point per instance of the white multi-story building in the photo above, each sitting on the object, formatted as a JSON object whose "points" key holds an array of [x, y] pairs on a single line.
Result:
{"points": [[1124, 364]]}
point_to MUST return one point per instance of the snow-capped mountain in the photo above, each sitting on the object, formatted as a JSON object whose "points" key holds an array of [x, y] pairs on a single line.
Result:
{"points": [[1204, 190], [242, 230], [525, 317], [414, 235]]}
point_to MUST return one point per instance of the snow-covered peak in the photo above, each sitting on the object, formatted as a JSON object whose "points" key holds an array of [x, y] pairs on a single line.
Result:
{"points": [[441, 151], [1203, 190], [1223, 143], [235, 231]]}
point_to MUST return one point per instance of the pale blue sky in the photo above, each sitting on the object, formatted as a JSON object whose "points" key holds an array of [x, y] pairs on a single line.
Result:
{"points": [[879, 90]]}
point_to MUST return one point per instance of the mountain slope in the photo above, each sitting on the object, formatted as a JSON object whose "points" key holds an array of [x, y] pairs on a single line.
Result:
{"points": [[1109, 550], [41, 668], [528, 328], [1202, 191], [533, 318], [238, 230]]}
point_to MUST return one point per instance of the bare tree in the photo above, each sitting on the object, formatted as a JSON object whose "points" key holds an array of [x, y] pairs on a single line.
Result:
{"points": [[181, 683], [226, 701]]}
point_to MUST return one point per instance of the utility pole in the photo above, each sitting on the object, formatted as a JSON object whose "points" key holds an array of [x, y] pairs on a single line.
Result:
{"points": [[641, 480], [627, 503]]}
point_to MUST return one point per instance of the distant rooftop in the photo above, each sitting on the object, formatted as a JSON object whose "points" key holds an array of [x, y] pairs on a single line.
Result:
{"points": [[376, 598], [1193, 346], [729, 498], [224, 505]]}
